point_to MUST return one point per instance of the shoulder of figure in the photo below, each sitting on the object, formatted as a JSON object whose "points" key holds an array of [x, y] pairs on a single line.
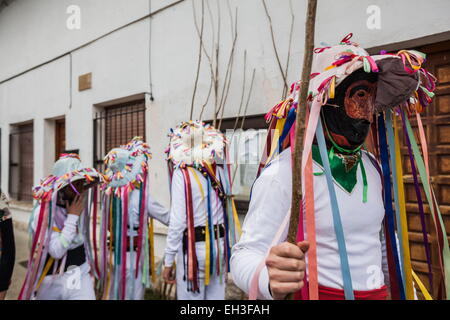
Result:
{"points": [[279, 168]]}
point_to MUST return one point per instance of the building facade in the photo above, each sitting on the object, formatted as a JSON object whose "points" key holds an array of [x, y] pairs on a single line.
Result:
{"points": [[88, 75]]}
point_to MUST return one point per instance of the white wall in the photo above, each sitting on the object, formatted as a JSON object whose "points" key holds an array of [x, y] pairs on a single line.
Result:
{"points": [[33, 32]]}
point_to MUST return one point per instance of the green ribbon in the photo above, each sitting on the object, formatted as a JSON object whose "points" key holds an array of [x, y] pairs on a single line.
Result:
{"points": [[426, 186]]}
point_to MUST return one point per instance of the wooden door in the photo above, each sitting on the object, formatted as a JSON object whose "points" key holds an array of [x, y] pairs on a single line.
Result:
{"points": [[21, 162], [436, 121], [60, 137]]}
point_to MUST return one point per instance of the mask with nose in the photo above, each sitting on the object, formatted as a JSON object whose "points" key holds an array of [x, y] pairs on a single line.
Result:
{"points": [[348, 116]]}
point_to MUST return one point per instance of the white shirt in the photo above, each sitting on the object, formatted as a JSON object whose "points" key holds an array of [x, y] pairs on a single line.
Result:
{"points": [[154, 208], [178, 213], [362, 222], [68, 238]]}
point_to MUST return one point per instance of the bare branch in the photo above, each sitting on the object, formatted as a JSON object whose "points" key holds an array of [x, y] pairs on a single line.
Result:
{"points": [[199, 56], [207, 98], [227, 81], [216, 83], [243, 120], [243, 92], [286, 90], [274, 46]]}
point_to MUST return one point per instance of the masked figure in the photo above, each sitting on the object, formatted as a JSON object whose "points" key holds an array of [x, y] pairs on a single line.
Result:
{"points": [[353, 242], [127, 259], [203, 218], [60, 263]]}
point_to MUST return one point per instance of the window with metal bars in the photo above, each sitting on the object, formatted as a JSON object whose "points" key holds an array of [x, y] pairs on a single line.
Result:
{"points": [[115, 126]]}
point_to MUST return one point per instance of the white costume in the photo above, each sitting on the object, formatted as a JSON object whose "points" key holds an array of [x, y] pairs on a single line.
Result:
{"points": [[362, 223], [127, 173], [203, 218], [59, 267], [216, 288], [155, 210], [74, 284]]}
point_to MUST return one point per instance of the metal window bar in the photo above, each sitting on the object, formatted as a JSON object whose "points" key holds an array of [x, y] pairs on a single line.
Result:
{"points": [[115, 126]]}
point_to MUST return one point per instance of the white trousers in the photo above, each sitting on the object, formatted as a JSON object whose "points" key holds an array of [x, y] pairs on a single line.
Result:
{"points": [[216, 288], [135, 288], [71, 285]]}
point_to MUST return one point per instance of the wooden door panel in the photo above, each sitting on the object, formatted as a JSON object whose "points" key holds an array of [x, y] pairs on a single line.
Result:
{"points": [[436, 121]]}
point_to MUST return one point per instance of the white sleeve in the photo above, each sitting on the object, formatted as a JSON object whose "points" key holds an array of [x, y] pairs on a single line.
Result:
{"points": [[177, 223], [269, 205], [157, 211], [60, 241]]}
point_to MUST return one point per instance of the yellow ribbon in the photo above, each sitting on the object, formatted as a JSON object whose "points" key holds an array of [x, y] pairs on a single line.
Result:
{"points": [[276, 136], [236, 218], [44, 273], [403, 219], [332, 88], [422, 288], [152, 250]]}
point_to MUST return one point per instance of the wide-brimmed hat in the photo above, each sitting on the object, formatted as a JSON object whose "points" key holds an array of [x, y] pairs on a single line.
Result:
{"points": [[194, 142], [125, 166], [66, 170], [400, 77]]}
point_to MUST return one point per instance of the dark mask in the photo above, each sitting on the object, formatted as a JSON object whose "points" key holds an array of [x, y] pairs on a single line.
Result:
{"points": [[349, 114]]}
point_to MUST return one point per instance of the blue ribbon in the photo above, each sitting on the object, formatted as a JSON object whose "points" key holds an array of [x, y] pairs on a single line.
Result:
{"points": [[212, 250], [345, 267], [391, 141], [287, 127], [384, 155]]}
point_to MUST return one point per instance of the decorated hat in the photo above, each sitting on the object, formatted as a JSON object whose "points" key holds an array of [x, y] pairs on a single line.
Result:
{"points": [[126, 165], [398, 75], [194, 142], [67, 170]]}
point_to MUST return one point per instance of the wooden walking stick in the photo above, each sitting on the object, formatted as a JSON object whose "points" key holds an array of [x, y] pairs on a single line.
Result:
{"points": [[300, 121]]}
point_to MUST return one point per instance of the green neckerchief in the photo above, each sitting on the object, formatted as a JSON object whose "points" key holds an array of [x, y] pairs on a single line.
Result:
{"points": [[345, 176]]}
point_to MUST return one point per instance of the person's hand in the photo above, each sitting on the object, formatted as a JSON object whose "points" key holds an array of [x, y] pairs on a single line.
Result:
{"points": [[168, 275], [77, 205], [286, 266]]}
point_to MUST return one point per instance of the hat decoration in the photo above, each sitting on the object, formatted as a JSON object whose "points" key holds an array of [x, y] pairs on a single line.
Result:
{"points": [[194, 142], [404, 89], [67, 169], [125, 166]]}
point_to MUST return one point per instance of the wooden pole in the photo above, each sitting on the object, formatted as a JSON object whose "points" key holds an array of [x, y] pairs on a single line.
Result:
{"points": [[300, 121]]}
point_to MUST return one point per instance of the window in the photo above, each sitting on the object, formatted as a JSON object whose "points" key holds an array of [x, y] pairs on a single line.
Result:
{"points": [[245, 149], [115, 126], [21, 162]]}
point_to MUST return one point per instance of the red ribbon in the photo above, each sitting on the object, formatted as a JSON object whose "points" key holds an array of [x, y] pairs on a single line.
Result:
{"points": [[192, 256], [124, 243]]}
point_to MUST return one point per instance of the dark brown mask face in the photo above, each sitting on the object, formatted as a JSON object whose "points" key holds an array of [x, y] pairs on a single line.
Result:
{"points": [[349, 115], [359, 100]]}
